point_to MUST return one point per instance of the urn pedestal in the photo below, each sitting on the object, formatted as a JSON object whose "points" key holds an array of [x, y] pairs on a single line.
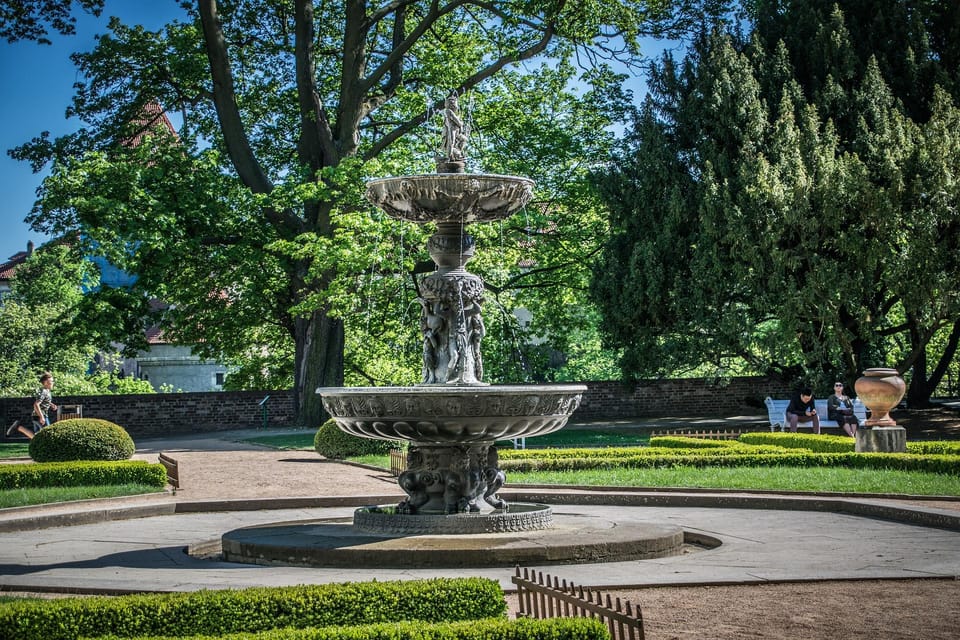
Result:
{"points": [[881, 390]]}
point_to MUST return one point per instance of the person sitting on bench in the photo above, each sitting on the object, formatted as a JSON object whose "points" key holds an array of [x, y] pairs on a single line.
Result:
{"points": [[802, 409]]}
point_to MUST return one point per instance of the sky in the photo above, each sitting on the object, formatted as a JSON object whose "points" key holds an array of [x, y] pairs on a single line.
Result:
{"points": [[37, 86]]}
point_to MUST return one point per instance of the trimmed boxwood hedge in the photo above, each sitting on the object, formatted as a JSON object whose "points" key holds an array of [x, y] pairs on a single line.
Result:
{"points": [[79, 474], [334, 443], [251, 610], [614, 453], [82, 439], [841, 444], [822, 443], [948, 464], [489, 629]]}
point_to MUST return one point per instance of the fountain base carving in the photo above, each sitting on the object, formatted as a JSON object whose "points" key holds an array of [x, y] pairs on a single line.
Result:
{"points": [[520, 517]]}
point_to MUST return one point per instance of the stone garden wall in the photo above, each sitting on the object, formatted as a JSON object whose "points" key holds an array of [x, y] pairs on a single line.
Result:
{"points": [[156, 415]]}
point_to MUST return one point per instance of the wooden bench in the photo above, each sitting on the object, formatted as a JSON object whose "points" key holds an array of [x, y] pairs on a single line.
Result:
{"points": [[69, 411], [777, 414]]}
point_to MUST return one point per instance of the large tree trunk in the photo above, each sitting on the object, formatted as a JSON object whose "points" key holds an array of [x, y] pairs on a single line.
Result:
{"points": [[318, 362]]}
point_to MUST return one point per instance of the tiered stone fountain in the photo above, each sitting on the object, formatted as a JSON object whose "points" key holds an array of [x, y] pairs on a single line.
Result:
{"points": [[452, 418]]}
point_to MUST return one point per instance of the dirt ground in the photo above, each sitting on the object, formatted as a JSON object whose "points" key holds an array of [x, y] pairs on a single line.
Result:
{"points": [[849, 610]]}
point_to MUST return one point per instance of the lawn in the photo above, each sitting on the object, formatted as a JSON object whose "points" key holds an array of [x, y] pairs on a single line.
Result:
{"points": [[26, 497], [14, 450]]}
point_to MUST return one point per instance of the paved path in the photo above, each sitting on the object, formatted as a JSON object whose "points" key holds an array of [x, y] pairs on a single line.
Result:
{"points": [[765, 537]]}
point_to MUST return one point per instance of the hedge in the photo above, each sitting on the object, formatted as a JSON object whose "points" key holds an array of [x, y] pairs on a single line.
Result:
{"points": [[812, 442], [489, 629], [841, 444], [258, 609], [615, 453], [948, 464], [77, 474]]}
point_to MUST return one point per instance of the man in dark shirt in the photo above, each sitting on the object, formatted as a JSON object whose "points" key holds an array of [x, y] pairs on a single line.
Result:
{"points": [[802, 409]]}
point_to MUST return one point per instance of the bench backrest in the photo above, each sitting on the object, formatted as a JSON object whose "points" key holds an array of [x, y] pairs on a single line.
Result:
{"points": [[777, 409]]}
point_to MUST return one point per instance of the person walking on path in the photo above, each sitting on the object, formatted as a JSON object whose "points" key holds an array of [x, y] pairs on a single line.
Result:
{"points": [[840, 409], [42, 404], [803, 409]]}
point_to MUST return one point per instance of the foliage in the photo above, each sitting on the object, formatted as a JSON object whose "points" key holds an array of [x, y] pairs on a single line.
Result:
{"points": [[816, 479], [81, 439], [519, 629], [251, 610], [40, 319], [332, 442], [78, 474], [29, 19], [840, 444], [251, 221], [781, 195], [753, 456]]}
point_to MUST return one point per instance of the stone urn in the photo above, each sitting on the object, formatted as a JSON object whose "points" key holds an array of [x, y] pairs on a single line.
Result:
{"points": [[880, 390]]}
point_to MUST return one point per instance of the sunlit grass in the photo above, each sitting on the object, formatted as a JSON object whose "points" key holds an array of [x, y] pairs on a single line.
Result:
{"points": [[372, 460], [14, 450], [755, 478], [26, 497], [285, 441]]}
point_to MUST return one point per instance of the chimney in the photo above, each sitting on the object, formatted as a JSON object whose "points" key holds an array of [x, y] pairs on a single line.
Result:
{"points": [[29, 247]]}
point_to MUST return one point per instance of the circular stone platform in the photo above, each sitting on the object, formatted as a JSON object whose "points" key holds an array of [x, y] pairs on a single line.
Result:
{"points": [[336, 542], [520, 517]]}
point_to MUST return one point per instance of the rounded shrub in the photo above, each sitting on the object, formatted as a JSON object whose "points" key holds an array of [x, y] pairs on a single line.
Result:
{"points": [[81, 439], [332, 442]]}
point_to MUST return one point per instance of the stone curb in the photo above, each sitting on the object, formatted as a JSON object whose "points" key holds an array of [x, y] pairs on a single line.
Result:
{"points": [[811, 502]]}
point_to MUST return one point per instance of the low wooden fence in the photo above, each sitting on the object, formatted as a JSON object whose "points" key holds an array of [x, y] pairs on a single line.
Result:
{"points": [[398, 461], [692, 433], [173, 470], [542, 596]]}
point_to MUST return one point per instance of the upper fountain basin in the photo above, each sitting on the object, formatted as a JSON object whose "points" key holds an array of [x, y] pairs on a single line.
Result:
{"points": [[451, 197], [445, 414]]}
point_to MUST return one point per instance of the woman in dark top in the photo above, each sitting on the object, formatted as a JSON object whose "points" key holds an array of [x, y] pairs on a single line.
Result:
{"points": [[840, 409], [802, 409]]}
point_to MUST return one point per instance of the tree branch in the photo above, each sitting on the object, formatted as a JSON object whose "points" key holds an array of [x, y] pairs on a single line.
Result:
{"points": [[315, 148], [224, 98]]}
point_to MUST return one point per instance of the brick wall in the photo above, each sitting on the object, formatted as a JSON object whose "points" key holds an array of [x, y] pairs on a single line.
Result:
{"points": [[159, 414], [679, 397], [156, 415]]}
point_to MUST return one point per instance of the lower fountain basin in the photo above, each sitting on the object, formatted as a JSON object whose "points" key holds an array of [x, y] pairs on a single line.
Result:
{"points": [[520, 517], [452, 414]]}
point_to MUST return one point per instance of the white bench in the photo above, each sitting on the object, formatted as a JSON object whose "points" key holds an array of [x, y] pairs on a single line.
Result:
{"points": [[777, 414]]}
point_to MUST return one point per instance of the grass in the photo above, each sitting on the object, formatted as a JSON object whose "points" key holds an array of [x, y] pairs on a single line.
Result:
{"points": [[14, 450], [286, 441], [26, 497], [579, 437], [773, 478]]}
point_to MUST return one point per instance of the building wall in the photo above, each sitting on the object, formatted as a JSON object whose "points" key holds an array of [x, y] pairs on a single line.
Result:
{"points": [[156, 415], [176, 367]]}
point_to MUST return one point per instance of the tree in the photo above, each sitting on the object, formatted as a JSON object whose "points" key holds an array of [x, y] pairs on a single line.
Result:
{"points": [[38, 316], [29, 19], [802, 201], [255, 217]]}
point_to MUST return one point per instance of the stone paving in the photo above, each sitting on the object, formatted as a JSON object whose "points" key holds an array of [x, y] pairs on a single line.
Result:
{"points": [[137, 544]]}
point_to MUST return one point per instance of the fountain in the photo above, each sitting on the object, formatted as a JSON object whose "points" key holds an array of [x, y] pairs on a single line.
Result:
{"points": [[452, 418]]}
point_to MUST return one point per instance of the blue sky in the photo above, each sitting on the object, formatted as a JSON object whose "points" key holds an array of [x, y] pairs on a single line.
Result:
{"points": [[37, 83]]}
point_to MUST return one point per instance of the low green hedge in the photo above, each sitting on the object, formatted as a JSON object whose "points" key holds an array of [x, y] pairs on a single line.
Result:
{"points": [[252, 610], [948, 464], [688, 442], [78, 474], [489, 629], [614, 453], [948, 447], [821, 443], [334, 443], [841, 444]]}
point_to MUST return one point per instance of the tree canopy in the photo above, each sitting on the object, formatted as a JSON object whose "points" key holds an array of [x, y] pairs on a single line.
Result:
{"points": [[787, 199], [251, 222]]}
